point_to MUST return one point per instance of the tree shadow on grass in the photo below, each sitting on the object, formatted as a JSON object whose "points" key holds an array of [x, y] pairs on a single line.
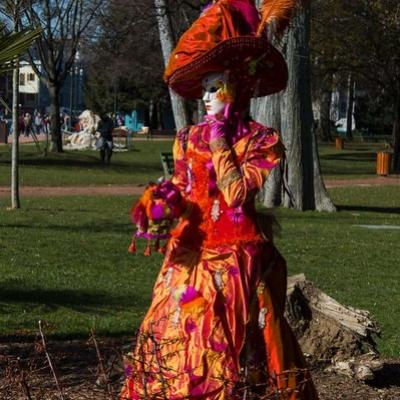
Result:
{"points": [[92, 302], [70, 163], [383, 210], [357, 157], [90, 228]]}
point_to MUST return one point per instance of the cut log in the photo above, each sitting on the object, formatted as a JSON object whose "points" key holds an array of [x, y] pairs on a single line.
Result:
{"points": [[328, 330]]}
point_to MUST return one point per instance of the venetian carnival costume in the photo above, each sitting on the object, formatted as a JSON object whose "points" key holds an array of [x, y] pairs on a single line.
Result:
{"points": [[215, 329]]}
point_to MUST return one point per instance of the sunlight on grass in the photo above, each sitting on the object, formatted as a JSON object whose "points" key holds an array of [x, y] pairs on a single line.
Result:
{"points": [[65, 260], [80, 168]]}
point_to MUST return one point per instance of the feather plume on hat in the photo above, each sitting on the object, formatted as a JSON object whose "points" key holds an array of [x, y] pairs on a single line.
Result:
{"points": [[276, 14]]}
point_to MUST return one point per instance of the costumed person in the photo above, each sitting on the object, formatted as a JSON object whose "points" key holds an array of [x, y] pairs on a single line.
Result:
{"points": [[215, 329]]}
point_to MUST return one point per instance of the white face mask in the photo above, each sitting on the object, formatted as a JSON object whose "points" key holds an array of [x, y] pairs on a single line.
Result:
{"points": [[211, 84]]}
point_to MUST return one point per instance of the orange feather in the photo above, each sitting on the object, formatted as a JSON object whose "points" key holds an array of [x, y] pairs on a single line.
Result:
{"points": [[276, 14]]}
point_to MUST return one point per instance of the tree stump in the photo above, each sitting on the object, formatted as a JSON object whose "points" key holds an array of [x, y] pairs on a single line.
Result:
{"points": [[328, 330]]}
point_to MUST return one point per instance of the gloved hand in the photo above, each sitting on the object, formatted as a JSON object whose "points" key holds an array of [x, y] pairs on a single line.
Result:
{"points": [[219, 124]]}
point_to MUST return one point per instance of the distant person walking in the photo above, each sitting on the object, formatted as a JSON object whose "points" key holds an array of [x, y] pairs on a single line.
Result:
{"points": [[27, 124], [105, 142], [46, 124], [120, 120], [38, 123]]}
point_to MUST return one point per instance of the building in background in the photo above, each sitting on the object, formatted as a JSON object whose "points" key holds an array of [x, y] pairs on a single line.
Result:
{"points": [[29, 87], [33, 94]]}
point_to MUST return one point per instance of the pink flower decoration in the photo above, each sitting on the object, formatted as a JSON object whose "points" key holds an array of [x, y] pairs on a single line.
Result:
{"points": [[157, 211], [219, 347], [236, 215], [189, 295], [264, 163], [128, 370], [190, 326], [233, 271]]}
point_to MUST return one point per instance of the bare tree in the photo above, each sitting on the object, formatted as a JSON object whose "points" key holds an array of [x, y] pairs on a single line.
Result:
{"points": [[10, 49], [64, 24], [167, 45], [267, 110], [306, 189], [291, 113], [325, 102], [350, 107], [15, 201]]}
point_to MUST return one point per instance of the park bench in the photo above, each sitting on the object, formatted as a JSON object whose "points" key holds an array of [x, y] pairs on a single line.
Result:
{"points": [[145, 131], [366, 136], [123, 135], [167, 161]]}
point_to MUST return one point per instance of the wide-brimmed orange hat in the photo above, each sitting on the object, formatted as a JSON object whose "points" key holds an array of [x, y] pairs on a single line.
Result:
{"points": [[229, 35]]}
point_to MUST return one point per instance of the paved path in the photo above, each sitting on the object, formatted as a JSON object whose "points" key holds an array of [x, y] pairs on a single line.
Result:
{"points": [[58, 191], [42, 138], [393, 180], [117, 190]]}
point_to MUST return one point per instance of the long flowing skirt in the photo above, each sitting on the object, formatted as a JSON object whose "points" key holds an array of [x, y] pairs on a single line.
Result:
{"points": [[215, 330]]}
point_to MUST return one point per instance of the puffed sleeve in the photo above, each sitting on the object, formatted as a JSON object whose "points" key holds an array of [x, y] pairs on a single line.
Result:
{"points": [[240, 178], [179, 177]]}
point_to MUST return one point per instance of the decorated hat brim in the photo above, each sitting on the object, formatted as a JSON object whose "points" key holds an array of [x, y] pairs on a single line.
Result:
{"points": [[252, 59]]}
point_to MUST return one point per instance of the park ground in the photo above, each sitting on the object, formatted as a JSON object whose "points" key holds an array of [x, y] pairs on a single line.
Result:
{"points": [[64, 255]]}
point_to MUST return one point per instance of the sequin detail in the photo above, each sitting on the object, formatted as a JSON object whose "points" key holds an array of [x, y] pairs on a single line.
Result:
{"points": [[215, 211], [261, 317]]}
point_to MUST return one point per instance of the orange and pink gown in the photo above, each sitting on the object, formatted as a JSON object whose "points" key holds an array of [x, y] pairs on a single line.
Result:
{"points": [[215, 328]]}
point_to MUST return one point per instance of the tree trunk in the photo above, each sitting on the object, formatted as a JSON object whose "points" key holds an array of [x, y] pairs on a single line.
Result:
{"points": [[160, 124], [325, 102], [322, 201], [15, 201], [329, 330], [396, 132], [350, 106], [55, 123], [305, 188], [200, 111], [167, 44], [267, 111], [151, 113]]}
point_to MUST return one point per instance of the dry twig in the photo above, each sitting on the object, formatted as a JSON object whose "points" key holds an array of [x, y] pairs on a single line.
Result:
{"points": [[50, 362]]}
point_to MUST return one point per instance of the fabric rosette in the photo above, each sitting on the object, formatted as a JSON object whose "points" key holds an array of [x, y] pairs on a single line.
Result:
{"points": [[154, 214]]}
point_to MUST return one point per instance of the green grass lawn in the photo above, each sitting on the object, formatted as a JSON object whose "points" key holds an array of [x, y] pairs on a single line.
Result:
{"points": [[65, 261], [357, 160], [81, 168]]}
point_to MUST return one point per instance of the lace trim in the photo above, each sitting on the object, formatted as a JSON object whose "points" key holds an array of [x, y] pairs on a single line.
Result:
{"points": [[218, 144], [226, 180]]}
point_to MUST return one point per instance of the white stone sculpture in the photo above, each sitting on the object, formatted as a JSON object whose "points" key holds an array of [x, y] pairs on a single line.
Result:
{"points": [[86, 138]]}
